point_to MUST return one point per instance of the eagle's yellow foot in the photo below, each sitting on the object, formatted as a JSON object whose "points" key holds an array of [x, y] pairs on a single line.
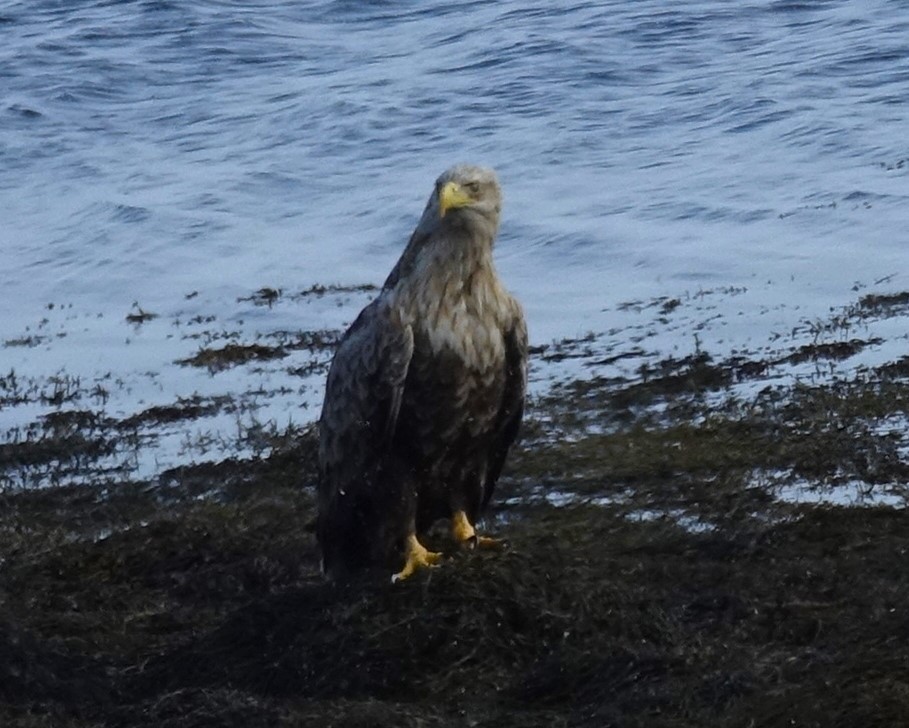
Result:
{"points": [[417, 557], [466, 535]]}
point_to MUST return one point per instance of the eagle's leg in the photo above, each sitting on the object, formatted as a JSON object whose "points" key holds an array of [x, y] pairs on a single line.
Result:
{"points": [[465, 534], [416, 557]]}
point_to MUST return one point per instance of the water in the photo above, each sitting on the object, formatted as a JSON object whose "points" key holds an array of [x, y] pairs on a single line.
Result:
{"points": [[150, 151]]}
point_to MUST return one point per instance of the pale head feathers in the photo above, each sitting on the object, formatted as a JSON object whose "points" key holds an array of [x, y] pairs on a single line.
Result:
{"points": [[456, 236], [477, 209]]}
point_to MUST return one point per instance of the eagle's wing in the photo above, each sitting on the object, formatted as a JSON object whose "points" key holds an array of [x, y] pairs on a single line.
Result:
{"points": [[508, 420], [362, 399]]}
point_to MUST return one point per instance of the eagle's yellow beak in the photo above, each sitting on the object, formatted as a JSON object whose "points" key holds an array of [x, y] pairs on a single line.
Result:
{"points": [[451, 196]]}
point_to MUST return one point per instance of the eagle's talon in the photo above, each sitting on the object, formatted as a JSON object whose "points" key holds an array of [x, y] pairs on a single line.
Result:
{"points": [[465, 534], [462, 530], [417, 557]]}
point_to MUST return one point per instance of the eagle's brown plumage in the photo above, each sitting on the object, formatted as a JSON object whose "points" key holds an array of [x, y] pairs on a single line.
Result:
{"points": [[426, 390]]}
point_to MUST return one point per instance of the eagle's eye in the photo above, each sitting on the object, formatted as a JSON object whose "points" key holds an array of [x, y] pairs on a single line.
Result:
{"points": [[473, 188]]}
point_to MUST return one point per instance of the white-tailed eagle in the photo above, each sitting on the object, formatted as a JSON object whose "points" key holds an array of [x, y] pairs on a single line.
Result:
{"points": [[425, 393]]}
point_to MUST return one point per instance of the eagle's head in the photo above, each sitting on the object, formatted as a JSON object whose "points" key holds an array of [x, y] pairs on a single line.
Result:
{"points": [[460, 219], [466, 191]]}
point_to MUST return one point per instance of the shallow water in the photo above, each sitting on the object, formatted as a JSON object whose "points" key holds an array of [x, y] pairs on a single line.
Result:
{"points": [[153, 150]]}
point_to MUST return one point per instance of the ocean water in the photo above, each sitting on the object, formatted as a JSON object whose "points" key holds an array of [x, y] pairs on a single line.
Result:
{"points": [[178, 156]]}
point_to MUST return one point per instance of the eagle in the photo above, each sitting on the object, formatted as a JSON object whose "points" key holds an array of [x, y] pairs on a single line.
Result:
{"points": [[425, 393]]}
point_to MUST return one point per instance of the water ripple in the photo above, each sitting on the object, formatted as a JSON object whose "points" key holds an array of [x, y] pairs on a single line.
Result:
{"points": [[648, 139]]}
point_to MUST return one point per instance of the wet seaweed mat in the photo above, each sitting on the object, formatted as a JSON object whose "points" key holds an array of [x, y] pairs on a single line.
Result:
{"points": [[616, 624], [589, 619]]}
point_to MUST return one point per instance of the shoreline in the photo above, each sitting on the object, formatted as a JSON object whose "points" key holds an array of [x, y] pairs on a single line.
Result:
{"points": [[707, 538]]}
